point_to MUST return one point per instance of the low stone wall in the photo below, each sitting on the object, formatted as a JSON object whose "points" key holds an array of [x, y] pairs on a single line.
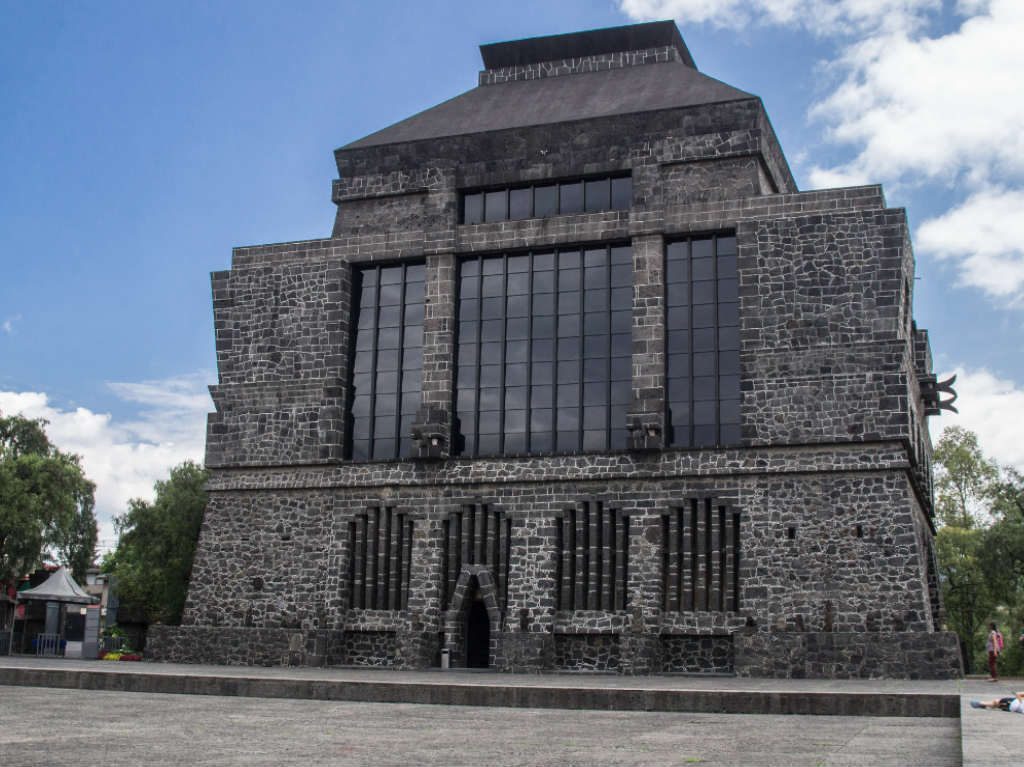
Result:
{"points": [[233, 646], [697, 654], [827, 655], [366, 648], [587, 652]]}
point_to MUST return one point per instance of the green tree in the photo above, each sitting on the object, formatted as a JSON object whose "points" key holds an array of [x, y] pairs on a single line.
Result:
{"points": [[46, 502], [965, 590], [156, 544], [965, 478]]}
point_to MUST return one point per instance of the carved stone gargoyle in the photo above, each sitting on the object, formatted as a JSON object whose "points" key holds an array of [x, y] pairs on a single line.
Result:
{"points": [[931, 392]]}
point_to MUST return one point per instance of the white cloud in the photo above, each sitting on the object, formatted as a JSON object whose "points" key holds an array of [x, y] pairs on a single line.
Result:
{"points": [[942, 108], [124, 458], [989, 406], [982, 236], [822, 17], [8, 325], [915, 109]]}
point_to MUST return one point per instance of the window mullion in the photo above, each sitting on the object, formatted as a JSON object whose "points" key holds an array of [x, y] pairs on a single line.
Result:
{"points": [[401, 366]]}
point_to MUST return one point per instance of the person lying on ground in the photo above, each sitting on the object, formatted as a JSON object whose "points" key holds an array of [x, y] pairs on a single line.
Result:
{"points": [[1014, 705]]}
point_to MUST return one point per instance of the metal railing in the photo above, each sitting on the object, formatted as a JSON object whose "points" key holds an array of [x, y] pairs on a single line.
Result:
{"points": [[48, 644]]}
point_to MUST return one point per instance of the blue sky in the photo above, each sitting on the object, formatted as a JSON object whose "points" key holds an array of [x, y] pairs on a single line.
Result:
{"points": [[141, 141]]}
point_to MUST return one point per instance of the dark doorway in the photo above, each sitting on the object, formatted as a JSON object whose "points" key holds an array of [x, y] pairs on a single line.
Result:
{"points": [[478, 635]]}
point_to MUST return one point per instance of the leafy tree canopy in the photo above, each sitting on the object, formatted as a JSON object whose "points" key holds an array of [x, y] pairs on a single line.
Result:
{"points": [[156, 544], [980, 544], [46, 502], [965, 478]]}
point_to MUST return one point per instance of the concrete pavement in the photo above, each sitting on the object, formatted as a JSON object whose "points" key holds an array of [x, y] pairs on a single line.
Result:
{"points": [[869, 712]]}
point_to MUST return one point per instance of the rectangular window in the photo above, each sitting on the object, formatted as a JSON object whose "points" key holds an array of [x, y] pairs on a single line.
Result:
{"points": [[515, 203], [544, 354], [387, 360], [702, 342]]}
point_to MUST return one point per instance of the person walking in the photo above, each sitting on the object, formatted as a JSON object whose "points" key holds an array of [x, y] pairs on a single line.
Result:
{"points": [[994, 646]]}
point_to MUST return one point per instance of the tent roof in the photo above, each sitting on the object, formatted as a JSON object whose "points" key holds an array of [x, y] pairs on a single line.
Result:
{"points": [[59, 587]]}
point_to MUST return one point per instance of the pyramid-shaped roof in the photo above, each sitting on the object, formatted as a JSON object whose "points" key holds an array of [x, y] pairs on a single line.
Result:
{"points": [[546, 100], [59, 587]]}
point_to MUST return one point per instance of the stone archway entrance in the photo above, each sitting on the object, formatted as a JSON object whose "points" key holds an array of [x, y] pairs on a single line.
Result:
{"points": [[477, 629], [474, 619]]}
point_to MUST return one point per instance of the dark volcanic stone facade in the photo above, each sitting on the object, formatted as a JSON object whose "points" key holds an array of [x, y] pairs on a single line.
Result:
{"points": [[801, 548]]}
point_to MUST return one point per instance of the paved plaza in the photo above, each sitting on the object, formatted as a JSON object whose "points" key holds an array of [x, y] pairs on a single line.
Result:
{"points": [[65, 712], [114, 728]]}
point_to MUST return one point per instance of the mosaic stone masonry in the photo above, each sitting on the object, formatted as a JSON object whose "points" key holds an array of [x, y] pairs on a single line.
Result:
{"points": [[795, 539]]}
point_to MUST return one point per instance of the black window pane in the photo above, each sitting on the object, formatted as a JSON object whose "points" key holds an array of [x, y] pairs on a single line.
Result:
{"points": [[569, 303], [544, 353], [705, 316], [520, 204], [543, 262], [545, 201], [541, 397], [622, 193], [515, 397], [701, 248], [728, 363], [730, 410], [622, 321], [596, 300], [515, 443], [473, 208], [543, 282], [517, 352], [414, 292], [517, 284], [597, 195], [703, 291], [543, 350], [515, 374], [727, 290], [541, 419], [469, 287], [570, 197], [703, 359], [488, 444], [568, 372], [541, 442], [517, 264], [492, 308], [543, 373], [622, 276], [622, 392], [595, 257], [704, 340], [704, 364], [496, 206], [493, 285]]}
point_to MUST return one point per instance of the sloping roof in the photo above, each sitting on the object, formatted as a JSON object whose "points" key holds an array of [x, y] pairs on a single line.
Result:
{"points": [[59, 587], [549, 100]]}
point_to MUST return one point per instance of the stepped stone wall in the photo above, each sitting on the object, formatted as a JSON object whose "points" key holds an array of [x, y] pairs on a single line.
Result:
{"points": [[829, 568]]}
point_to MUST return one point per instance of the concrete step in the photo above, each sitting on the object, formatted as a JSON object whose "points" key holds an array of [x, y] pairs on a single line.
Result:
{"points": [[478, 690]]}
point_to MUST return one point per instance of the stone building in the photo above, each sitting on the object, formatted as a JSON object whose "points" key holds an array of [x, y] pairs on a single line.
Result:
{"points": [[580, 380]]}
